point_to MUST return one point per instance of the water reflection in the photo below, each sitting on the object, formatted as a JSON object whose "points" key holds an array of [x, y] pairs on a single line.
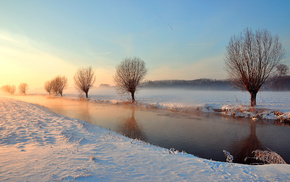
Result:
{"points": [[79, 109], [130, 128], [84, 111], [245, 147]]}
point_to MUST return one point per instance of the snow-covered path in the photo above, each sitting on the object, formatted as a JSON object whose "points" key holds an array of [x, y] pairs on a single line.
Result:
{"points": [[38, 145]]}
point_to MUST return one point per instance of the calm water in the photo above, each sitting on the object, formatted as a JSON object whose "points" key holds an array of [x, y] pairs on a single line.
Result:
{"points": [[203, 135]]}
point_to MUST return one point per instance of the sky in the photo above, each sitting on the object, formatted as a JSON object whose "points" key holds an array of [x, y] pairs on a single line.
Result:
{"points": [[177, 39]]}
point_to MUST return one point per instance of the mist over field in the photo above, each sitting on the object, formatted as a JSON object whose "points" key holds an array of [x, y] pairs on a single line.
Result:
{"points": [[184, 97]]}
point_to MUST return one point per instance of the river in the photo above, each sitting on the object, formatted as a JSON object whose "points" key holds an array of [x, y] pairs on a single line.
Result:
{"points": [[205, 135]]}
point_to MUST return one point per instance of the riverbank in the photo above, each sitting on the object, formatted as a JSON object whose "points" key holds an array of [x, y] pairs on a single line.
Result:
{"points": [[236, 110], [233, 110], [37, 144], [271, 106]]}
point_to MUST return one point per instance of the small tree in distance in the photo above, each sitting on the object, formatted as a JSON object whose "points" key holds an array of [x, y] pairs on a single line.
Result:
{"points": [[129, 73], [282, 70], [23, 87], [9, 89], [84, 79], [48, 87], [251, 58], [58, 84]]}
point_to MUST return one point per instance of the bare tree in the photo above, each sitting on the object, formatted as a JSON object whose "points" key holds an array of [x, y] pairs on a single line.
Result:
{"points": [[282, 70], [48, 87], [12, 89], [129, 73], [23, 87], [58, 84], [84, 79], [251, 58], [9, 89]]}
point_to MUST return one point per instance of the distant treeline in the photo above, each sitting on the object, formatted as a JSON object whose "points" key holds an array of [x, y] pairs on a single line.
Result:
{"points": [[202, 84], [279, 84]]}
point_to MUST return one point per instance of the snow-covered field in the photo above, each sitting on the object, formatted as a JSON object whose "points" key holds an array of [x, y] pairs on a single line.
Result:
{"points": [[235, 103], [187, 97], [38, 145]]}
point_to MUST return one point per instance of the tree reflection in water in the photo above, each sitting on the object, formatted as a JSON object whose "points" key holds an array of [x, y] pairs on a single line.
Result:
{"points": [[131, 129], [245, 147], [84, 111]]}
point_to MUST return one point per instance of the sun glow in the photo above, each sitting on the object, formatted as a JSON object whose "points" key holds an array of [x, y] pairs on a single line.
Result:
{"points": [[22, 61]]}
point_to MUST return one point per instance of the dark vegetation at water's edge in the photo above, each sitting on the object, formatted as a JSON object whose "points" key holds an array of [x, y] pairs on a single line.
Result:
{"points": [[278, 84]]}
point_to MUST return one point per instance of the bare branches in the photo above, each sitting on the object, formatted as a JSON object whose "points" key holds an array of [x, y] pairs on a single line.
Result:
{"points": [[59, 83], [251, 58], [268, 157], [9, 89], [48, 87], [282, 70], [56, 85], [84, 79], [23, 87], [129, 73]]}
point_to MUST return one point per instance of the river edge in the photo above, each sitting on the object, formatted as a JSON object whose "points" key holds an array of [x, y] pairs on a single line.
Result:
{"points": [[232, 110], [144, 106], [85, 152]]}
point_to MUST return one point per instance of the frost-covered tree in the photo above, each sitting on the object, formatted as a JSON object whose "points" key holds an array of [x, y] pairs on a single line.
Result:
{"points": [[58, 84], [9, 89], [48, 87], [129, 73], [23, 87], [251, 58], [84, 79]]}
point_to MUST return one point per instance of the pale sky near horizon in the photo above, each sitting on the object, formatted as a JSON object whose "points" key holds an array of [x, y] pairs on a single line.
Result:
{"points": [[177, 39]]}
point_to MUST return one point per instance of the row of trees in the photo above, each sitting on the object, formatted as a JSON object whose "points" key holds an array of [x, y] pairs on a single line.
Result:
{"points": [[23, 87], [9, 89], [250, 59], [128, 77], [56, 85], [84, 80]]}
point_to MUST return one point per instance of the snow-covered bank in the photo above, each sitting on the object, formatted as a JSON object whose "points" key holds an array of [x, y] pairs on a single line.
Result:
{"points": [[37, 145], [271, 105], [235, 110]]}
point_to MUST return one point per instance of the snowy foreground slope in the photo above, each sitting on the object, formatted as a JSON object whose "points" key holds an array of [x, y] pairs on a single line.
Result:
{"points": [[38, 145]]}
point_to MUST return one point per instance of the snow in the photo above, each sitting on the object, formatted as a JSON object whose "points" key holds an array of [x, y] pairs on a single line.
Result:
{"points": [[233, 103], [38, 145]]}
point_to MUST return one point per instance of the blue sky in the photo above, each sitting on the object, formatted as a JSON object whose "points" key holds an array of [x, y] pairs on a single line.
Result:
{"points": [[177, 39]]}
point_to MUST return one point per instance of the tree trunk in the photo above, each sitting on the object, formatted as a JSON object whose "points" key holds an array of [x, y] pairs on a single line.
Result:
{"points": [[133, 96], [253, 98], [87, 95]]}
